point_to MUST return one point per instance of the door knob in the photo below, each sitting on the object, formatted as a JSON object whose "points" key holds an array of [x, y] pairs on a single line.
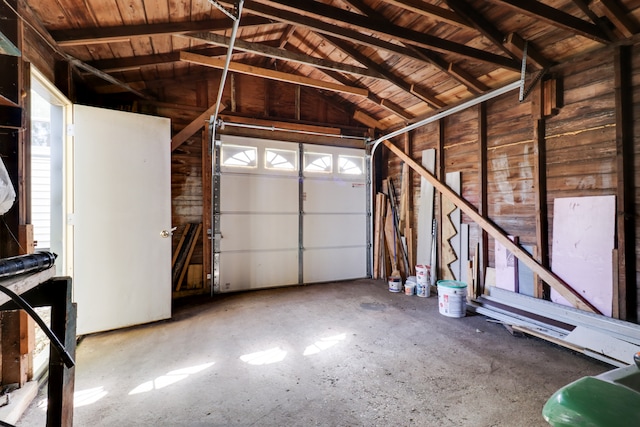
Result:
{"points": [[165, 233]]}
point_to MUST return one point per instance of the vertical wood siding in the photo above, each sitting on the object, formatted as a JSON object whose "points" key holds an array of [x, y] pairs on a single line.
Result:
{"points": [[580, 148]]}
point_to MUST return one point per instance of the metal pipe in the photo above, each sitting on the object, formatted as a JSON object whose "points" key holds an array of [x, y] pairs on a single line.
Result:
{"points": [[442, 114], [225, 71], [306, 132], [213, 125], [26, 263]]}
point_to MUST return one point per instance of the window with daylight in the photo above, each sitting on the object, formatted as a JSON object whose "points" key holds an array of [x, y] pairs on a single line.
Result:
{"points": [[350, 165], [285, 160], [318, 162], [239, 156]]}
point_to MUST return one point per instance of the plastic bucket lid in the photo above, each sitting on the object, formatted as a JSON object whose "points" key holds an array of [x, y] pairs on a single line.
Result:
{"points": [[451, 284]]}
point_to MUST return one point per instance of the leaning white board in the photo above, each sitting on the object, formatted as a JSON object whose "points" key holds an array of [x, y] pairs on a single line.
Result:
{"points": [[583, 241], [122, 203], [602, 343], [425, 210]]}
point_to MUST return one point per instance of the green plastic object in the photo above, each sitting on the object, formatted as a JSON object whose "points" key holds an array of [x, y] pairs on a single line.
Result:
{"points": [[451, 284], [611, 399]]}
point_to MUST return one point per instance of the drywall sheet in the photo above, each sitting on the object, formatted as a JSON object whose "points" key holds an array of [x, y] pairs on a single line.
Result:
{"points": [[525, 275], [583, 241], [425, 210], [603, 344], [505, 267]]}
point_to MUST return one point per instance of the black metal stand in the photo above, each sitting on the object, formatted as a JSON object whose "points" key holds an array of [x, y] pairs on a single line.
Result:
{"points": [[56, 293]]}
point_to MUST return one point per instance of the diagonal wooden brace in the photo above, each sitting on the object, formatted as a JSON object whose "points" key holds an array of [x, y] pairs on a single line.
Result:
{"points": [[548, 276]]}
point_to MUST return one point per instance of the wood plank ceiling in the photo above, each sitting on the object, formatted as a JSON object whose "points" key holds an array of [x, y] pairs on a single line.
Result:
{"points": [[392, 61]]}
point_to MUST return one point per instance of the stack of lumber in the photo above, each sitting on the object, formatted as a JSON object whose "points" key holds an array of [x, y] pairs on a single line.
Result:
{"points": [[609, 340], [393, 237], [183, 252]]}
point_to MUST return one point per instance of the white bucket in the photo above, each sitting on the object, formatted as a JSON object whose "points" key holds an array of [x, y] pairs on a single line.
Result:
{"points": [[409, 288], [422, 273], [452, 298], [395, 284]]}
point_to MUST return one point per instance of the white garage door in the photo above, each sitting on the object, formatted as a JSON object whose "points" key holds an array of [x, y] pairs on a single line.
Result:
{"points": [[288, 214]]}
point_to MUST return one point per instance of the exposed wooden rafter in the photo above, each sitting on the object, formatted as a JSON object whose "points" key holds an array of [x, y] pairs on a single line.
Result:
{"points": [[513, 44], [434, 12], [487, 29], [516, 44], [282, 54], [583, 5], [342, 21], [271, 74], [84, 36], [418, 92], [556, 18], [284, 39], [617, 14], [388, 105], [457, 73]]}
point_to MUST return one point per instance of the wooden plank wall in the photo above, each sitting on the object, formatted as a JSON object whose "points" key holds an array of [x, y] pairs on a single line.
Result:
{"points": [[460, 155], [510, 193], [581, 140], [580, 149]]}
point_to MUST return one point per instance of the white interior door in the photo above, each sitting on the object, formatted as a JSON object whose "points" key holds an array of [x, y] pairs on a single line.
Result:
{"points": [[122, 203]]}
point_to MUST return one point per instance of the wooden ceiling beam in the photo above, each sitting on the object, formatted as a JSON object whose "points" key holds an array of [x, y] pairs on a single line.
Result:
{"points": [[284, 39], [367, 120], [471, 83], [617, 14], [285, 55], [134, 62], [480, 23], [434, 12], [584, 7], [556, 18], [271, 74], [84, 36], [342, 21], [384, 103], [516, 44], [419, 93], [512, 44]]}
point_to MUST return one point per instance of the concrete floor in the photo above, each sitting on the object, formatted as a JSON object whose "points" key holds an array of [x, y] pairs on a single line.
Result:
{"points": [[340, 354]]}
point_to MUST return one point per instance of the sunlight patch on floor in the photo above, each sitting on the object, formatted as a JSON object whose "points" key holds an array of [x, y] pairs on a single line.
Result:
{"points": [[265, 357], [169, 378], [323, 344]]}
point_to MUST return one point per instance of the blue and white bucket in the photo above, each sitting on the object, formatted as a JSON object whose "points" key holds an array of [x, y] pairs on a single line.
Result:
{"points": [[423, 290], [422, 276], [395, 284]]}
